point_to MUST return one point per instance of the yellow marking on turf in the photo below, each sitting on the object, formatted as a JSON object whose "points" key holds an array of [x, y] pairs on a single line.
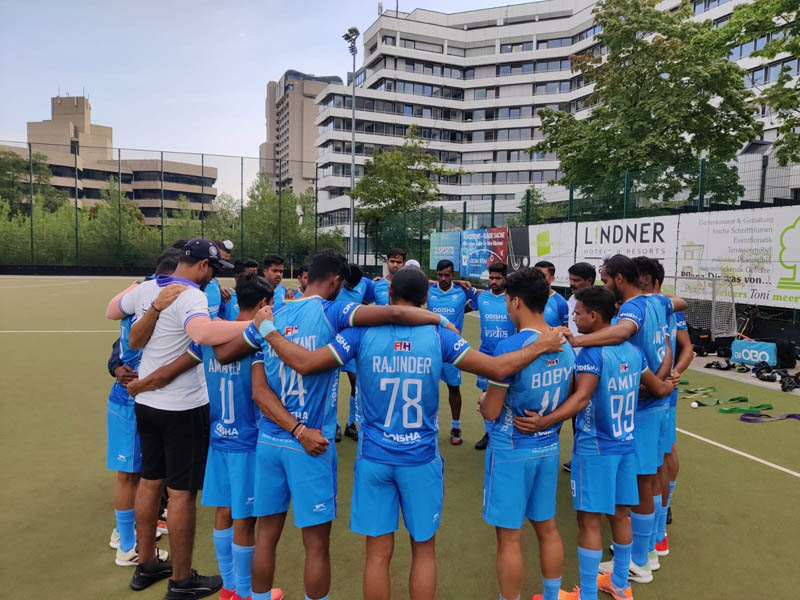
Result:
{"points": [[739, 452]]}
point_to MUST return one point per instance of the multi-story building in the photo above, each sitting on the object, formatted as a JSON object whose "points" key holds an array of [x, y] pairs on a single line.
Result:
{"points": [[290, 111], [473, 83], [81, 158]]}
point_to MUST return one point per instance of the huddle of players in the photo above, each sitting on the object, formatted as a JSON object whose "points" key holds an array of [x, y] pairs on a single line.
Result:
{"points": [[293, 380]]}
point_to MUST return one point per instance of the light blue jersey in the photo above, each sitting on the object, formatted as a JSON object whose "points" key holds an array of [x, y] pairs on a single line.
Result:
{"points": [[381, 290], [556, 311], [214, 298], [229, 310], [541, 386], [279, 296], [232, 412], [362, 293], [312, 323], [128, 356], [399, 368], [495, 322], [680, 325], [606, 425], [452, 303]]}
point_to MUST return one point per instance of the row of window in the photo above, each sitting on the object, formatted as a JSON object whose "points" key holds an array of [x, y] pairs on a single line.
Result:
{"points": [[172, 195], [769, 73], [454, 72], [490, 178], [174, 178], [563, 42], [747, 48], [701, 6], [438, 91]]}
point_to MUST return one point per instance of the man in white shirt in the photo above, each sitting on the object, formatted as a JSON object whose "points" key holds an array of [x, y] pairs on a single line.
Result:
{"points": [[173, 421]]}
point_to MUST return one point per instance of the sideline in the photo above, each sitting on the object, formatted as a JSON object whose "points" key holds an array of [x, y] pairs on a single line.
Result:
{"points": [[35, 285], [59, 331]]}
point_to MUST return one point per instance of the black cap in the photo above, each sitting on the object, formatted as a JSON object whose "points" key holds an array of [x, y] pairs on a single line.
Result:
{"points": [[203, 248]]}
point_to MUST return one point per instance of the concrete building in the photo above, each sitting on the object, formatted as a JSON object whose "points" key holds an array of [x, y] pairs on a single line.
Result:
{"points": [[69, 139], [473, 82], [290, 111]]}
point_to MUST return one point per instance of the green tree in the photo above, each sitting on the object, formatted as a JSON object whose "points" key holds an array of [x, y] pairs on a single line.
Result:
{"points": [[665, 95], [15, 176], [541, 211], [779, 20], [223, 222]]}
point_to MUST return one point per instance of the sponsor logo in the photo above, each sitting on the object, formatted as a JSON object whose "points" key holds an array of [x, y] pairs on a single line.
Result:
{"points": [[752, 355], [552, 362], [226, 431], [623, 367], [290, 330], [495, 333], [250, 500], [319, 507], [403, 438], [121, 457], [402, 346], [342, 342], [460, 344]]}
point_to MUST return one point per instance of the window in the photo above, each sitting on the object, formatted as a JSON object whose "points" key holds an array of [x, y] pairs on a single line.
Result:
{"points": [[373, 48], [482, 51], [455, 51], [516, 47], [388, 40], [554, 43]]}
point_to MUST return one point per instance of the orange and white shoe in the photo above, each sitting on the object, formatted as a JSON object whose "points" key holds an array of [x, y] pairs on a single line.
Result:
{"points": [[662, 547], [161, 527], [575, 594], [604, 585]]}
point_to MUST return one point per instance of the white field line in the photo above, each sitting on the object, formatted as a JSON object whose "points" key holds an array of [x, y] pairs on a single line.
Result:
{"points": [[740, 453], [36, 285], [59, 331]]}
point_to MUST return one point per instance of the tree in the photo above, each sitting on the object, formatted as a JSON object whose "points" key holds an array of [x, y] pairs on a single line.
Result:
{"points": [[665, 95], [15, 176], [541, 211], [779, 20]]}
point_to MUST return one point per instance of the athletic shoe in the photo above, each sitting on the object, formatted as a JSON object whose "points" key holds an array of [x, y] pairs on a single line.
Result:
{"points": [[113, 541], [669, 515], [131, 557], [635, 572], [662, 547], [194, 586], [226, 594], [652, 560], [351, 431], [575, 594], [161, 528], [604, 584], [482, 443], [275, 594], [146, 575], [455, 436], [567, 466], [338, 437]]}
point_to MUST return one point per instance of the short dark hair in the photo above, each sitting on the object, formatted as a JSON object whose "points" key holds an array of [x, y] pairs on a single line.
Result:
{"points": [[647, 266], [325, 263], [598, 299], [546, 264], [219, 244], [243, 263], [499, 267], [583, 270], [168, 261], [619, 264], [353, 275], [252, 289], [396, 252], [530, 286], [302, 269], [272, 259], [410, 284], [179, 244], [444, 264]]}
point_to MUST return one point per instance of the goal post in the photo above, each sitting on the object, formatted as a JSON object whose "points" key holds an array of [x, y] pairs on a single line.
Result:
{"points": [[711, 303]]}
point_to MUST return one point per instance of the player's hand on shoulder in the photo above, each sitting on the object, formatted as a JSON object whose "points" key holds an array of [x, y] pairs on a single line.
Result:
{"points": [[552, 339], [313, 441], [125, 374], [134, 387], [377, 278], [264, 314], [463, 283], [289, 295], [226, 294], [452, 328], [167, 296], [530, 423]]}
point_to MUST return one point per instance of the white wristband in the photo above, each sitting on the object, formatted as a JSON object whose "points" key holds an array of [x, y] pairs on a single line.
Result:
{"points": [[266, 328], [443, 321]]}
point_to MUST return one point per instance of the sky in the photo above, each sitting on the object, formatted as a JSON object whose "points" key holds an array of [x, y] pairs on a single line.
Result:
{"points": [[174, 75]]}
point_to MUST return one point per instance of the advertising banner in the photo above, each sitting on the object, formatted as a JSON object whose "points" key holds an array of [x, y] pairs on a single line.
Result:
{"points": [[479, 247], [656, 237], [445, 245], [554, 242], [758, 250]]}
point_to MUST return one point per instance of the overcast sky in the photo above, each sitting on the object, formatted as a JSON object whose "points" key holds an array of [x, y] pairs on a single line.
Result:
{"points": [[174, 75]]}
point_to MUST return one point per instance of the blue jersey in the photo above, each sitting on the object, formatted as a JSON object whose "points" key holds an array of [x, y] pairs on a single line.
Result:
{"points": [[680, 325], [229, 310], [495, 322], [606, 425], [541, 387], [232, 412], [128, 355], [452, 303], [362, 293], [278, 296], [312, 323], [381, 290], [399, 368], [556, 311], [214, 298]]}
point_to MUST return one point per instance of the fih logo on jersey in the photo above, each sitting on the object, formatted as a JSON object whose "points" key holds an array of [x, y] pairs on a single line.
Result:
{"points": [[552, 362], [290, 330], [623, 367], [402, 346]]}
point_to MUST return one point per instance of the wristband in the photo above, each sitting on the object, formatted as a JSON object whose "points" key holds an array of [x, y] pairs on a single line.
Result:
{"points": [[153, 306], [295, 427], [443, 321], [299, 432], [266, 328]]}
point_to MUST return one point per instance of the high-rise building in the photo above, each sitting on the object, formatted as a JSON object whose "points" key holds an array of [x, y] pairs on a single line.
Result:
{"points": [[473, 83], [290, 111]]}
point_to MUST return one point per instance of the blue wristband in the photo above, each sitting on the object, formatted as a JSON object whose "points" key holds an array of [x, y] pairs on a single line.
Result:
{"points": [[443, 321], [266, 328]]}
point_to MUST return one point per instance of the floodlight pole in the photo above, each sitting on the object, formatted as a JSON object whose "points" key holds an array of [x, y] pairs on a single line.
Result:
{"points": [[351, 37]]}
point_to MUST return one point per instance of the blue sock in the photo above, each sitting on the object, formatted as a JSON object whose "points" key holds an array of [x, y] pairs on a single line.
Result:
{"points": [[351, 417], [487, 425], [671, 489], [262, 596], [223, 542], [662, 524], [642, 526], [126, 527], [588, 565], [622, 562], [657, 510], [242, 565], [551, 588], [457, 423]]}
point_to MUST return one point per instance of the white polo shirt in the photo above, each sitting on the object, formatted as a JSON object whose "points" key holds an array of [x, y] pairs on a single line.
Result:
{"points": [[571, 319], [168, 342]]}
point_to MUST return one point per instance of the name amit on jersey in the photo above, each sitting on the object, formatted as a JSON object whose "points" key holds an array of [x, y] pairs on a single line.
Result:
{"points": [[401, 364], [623, 382]]}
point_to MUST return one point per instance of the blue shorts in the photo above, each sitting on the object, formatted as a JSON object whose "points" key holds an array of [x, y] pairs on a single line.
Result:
{"points": [[664, 436], [520, 483], [124, 451], [483, 382], [646, 438], [229, 481], [451, 375], [285, 472], [672, 424], [380, 491], [601, 482]]}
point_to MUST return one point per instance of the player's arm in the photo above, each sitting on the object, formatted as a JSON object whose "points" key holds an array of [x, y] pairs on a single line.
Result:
{"points": [[114, 309], [143, 328], [678, 303], [233, 350], [491, 404], [268, 402], [501, 367], [607, 336], [585, 384], [665, 368], [305, 362], [206, 332], [655, 385], [685, 351], [369, 316], [164, 375]]}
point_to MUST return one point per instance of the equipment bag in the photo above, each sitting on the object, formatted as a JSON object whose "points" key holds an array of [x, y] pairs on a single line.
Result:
{"points": [[752, 353]]}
